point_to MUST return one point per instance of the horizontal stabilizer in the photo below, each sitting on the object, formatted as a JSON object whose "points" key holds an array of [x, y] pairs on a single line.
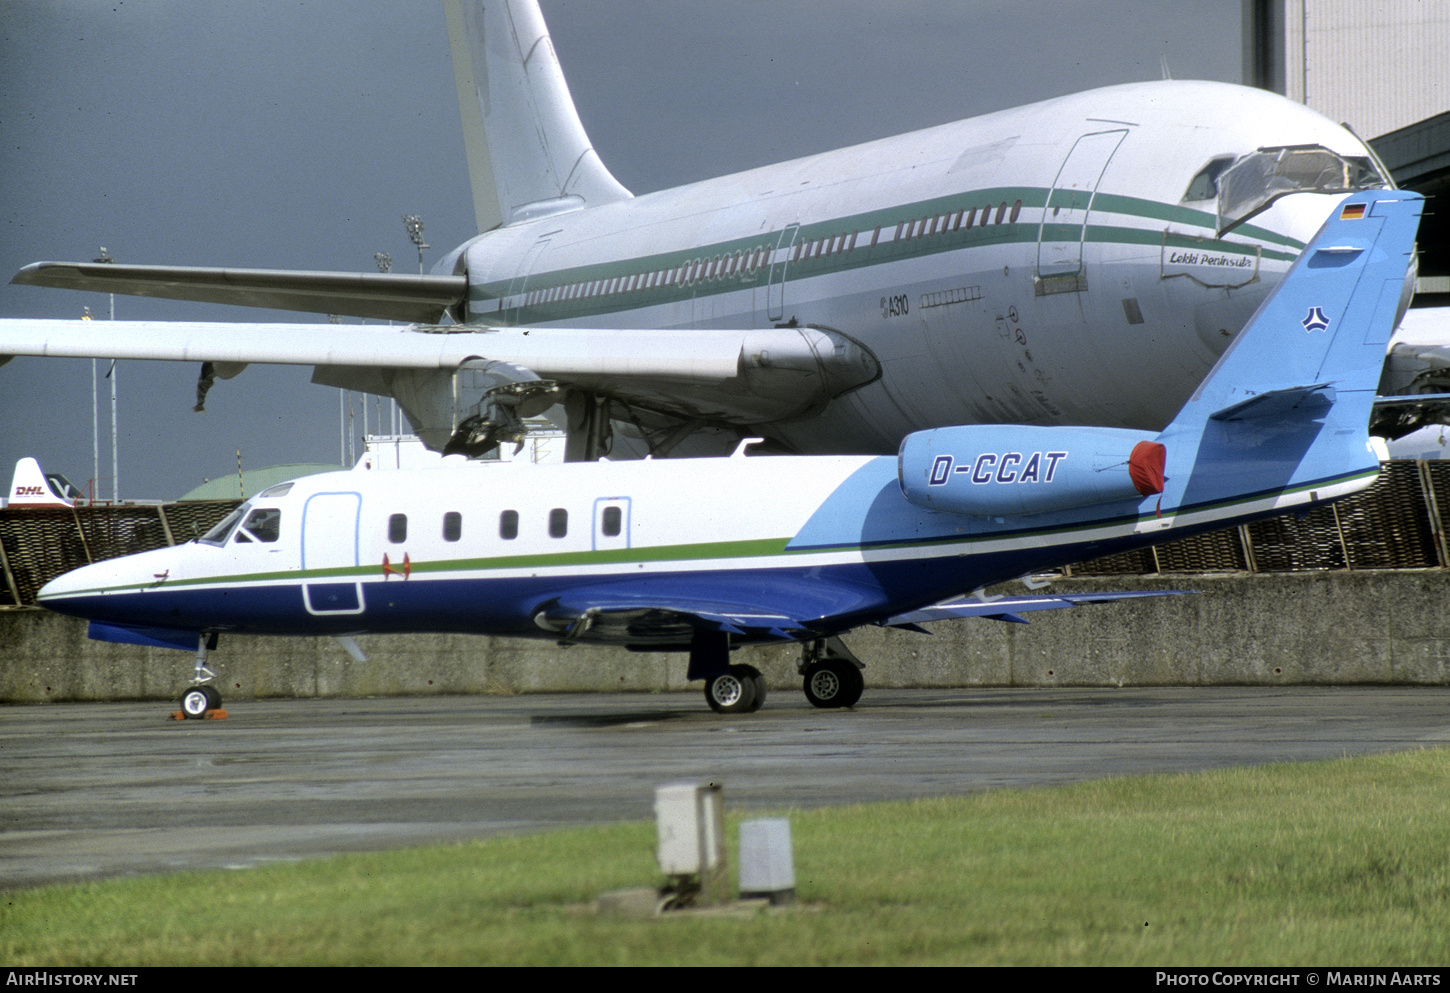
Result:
{"points": [[1303, 400], [384, 296]]}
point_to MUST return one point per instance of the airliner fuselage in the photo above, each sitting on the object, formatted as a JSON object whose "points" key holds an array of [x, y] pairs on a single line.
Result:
{"points": [[1050, 264]]}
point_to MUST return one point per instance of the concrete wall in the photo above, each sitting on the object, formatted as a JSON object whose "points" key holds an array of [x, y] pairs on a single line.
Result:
{"points": [[1297, 628]]}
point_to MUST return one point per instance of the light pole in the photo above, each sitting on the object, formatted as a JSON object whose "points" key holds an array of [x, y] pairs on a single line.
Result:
{"points": [[385, 266], [106, 258], [414, 224]]}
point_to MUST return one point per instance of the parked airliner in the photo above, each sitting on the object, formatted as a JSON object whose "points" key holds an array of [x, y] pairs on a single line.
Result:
{"points": [[1080, 260], [707, 555]]}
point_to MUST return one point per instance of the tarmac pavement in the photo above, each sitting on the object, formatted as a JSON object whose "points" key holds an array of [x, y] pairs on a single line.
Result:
{"points": [[104, 789]]}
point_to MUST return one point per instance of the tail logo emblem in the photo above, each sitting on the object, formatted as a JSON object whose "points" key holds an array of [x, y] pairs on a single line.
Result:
{"points": [[1315, 320]]}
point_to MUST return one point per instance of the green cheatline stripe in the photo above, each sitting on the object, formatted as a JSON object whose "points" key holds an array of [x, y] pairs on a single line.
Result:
{"points": [[976, 236], [704, 551]]}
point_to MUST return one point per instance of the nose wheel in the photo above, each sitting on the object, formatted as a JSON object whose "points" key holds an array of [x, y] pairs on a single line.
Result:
{"points": [[201, 700], [196, 701]]}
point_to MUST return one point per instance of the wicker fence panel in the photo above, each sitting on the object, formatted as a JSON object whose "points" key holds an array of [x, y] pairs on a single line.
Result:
{"points": [[39, 545]]}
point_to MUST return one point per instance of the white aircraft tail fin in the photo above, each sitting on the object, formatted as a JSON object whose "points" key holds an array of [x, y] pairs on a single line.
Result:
{"points": [[528, 153], [30, 487]]}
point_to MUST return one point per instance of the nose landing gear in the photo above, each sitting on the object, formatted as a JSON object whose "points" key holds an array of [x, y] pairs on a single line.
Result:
{"points": [[201, 701]]}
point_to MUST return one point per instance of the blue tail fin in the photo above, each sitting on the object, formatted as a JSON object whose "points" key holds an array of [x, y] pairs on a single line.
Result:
{"points": [[1283, 416]]}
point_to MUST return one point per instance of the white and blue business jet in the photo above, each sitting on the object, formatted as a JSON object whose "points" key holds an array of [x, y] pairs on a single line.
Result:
{"points": [[708, 555]]}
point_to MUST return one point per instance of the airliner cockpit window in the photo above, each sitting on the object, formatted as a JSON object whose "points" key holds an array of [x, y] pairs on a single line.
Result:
{"points": [[219, 534], [1259, 178], [1204, 186]]}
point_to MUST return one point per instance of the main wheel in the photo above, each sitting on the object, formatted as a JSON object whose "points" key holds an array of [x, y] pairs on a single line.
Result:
{"points": [[752, 674], [833, 683], [731, 692], [196, 701]]}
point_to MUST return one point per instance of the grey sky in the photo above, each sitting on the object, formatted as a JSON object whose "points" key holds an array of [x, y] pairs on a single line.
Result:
{"points": [[289, 134]]}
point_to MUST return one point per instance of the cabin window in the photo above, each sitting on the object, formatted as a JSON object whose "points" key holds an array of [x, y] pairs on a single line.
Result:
{"points": [[1016, 211], [398, 528], [558, 522], [1002, 212], [452, 526], [609, 522], [508, 525], [986, 217]]}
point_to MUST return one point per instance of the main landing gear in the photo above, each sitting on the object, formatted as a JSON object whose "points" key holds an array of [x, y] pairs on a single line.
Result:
{"points": [[740, 690], [200, 700], [831, 674]]}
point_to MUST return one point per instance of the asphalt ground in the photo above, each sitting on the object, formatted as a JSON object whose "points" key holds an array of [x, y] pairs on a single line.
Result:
{"points": [[105, 789]]}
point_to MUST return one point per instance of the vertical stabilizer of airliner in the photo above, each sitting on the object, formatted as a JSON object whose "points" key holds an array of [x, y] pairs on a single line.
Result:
{"points": [[527, 150]]}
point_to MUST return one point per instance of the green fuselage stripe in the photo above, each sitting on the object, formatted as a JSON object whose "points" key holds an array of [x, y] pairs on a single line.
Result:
{"points": [[989, 203]]}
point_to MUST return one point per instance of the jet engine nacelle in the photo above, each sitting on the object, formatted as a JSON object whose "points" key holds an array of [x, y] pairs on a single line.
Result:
{"points": [[1014, 470]]}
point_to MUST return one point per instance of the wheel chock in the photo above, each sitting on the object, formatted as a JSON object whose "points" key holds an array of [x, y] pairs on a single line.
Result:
{"points": [[220, 714]]}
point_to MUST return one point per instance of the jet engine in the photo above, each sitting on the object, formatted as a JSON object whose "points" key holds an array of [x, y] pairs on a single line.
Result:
{"points": [[1016, 470]]}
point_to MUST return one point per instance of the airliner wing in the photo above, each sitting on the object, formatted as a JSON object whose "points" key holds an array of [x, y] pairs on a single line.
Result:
{"points": [[738, 377], [555, 352], [385, 296]]}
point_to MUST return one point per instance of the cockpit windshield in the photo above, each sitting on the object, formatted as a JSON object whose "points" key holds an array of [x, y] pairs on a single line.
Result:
{"points": [[1256, 180], [223, 530]]}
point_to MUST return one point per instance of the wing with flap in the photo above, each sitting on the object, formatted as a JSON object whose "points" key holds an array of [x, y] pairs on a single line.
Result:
{"points": [[741, 377]]}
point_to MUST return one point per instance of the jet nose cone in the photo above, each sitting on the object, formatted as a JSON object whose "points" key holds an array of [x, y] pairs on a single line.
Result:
{"points": [[72, 592], [104, 586]]}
